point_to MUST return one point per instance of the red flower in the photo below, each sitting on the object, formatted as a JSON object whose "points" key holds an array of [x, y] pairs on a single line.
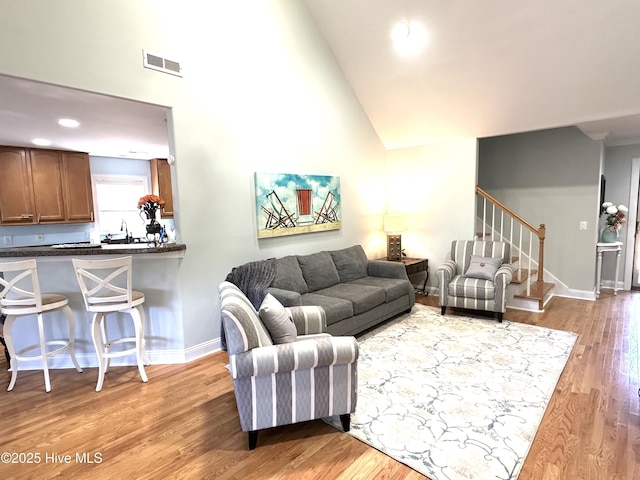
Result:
{"points": [[149, 200]]}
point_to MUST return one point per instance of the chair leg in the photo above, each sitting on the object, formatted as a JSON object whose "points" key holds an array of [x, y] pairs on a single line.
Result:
{"points": [[345, 420], [105, 345], [499, 317], [96, 330], [13, 361], [253, 439], [43, 353], [140, 354], [443, 309], [143, 323], [72, 337]]}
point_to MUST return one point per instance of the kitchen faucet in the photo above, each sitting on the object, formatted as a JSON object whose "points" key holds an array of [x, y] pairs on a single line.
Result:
{"points": [[125, 228]]}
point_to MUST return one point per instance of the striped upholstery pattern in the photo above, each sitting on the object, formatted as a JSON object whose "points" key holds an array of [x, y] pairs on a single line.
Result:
{"points": [[455, 290], [311, 378], [241, 321], [308, 320]]}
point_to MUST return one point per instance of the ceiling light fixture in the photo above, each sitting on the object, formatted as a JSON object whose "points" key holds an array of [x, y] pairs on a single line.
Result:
{"points": [[401, 31], [409, 38], [68, 122], [41, 142]]}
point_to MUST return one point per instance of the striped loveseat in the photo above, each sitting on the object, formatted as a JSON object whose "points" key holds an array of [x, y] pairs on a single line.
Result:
{"points": [[314, 376], [476, 277]]}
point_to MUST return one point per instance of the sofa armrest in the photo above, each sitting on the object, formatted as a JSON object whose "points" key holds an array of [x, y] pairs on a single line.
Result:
{"points": [[501, 280], [311, 336], [380, 268], [309, 319], [445, 273], [301, 355], [503, 276], [288, 298]]}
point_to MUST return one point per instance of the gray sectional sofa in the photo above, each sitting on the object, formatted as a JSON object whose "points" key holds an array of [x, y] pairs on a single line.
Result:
{"points": [[356, 293]]}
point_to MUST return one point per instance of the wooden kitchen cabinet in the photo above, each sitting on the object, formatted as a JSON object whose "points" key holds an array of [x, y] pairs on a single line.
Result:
{"points": [[46, 176], [39, 186], [78, 195], [161, 184], [16, 188]]}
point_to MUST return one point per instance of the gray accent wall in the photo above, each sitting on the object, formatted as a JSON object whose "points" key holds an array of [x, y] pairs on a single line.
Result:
{"points": [[550, 177]]}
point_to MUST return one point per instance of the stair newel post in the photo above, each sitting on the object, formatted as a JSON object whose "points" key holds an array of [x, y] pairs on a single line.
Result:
{"points": [[542, 232]]}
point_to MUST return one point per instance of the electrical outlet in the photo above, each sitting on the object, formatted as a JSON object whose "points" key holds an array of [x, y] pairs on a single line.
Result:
{"points": [[583, 225], [40, 237], [7, 240]]}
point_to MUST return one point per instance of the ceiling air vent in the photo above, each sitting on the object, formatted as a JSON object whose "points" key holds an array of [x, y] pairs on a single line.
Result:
{"points": [[156, 62]]}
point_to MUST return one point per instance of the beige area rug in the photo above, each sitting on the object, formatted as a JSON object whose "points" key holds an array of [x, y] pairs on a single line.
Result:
{"points": [[456, 397]]}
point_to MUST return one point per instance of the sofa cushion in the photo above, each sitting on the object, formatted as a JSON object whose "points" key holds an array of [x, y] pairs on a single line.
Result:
{"points": [[318, 270], [363, 297], [471, 288], [288, 275], [351, 263], [336, 309], [393, 287], [278, 320]]}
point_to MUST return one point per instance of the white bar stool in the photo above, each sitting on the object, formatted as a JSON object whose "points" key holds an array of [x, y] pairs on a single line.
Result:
{"points": [[21, 297], [106, 288]]}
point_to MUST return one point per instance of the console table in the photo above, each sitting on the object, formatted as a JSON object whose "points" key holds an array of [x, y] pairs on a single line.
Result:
{"points": [[601, 248], [413, 266]]}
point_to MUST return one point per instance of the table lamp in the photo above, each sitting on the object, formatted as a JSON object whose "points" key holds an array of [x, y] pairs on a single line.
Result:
{"points": [[393, 226]]}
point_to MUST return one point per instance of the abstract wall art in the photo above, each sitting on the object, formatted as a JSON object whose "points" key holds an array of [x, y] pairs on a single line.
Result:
{"points": [[290, 204]]}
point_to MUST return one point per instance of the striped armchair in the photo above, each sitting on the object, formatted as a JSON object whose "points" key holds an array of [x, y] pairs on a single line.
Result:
{"points": [[279, 384], [459, 287]]}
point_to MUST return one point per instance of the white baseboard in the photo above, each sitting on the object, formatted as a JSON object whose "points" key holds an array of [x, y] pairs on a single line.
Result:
{"points": [[202, 350], [577, 294], [157, 357]]}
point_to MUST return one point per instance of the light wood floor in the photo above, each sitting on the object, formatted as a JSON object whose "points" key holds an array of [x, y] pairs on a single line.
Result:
{"points": [[183, 423]]}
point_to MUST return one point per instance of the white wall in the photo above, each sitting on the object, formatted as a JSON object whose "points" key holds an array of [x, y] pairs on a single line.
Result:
{"points": [[434, 186], [260, 92]]}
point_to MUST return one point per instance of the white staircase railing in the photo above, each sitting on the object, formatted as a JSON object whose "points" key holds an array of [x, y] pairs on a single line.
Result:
{"points": [[502, 224]]}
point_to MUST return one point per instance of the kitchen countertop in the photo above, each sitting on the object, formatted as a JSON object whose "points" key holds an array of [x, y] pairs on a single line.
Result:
{"points": [[103, 249]]}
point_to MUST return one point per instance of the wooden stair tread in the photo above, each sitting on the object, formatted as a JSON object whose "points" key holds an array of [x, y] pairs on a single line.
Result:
{"points": [[537, 291], [521, 275]]}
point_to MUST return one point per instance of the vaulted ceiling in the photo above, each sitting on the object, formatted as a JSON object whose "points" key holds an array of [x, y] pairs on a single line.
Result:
{"points": [[490, 67]]}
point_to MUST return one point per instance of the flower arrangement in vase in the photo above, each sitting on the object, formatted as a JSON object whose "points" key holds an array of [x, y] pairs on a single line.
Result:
{"points": [[149, 205], [616, 218]]}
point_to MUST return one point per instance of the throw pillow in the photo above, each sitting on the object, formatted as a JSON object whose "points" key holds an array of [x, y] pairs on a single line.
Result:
{"points": [[278, 320], [484, 268]]}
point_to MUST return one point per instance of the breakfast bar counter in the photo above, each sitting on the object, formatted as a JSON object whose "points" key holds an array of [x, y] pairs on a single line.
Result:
{"points": [[73, 249], [155, 272]]}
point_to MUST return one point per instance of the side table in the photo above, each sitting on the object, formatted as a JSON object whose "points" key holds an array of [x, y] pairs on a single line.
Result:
{"points": [[601, 248], [413, 266]]}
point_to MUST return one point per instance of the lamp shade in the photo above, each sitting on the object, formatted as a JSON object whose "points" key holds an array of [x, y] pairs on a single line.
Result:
{"points": [[393, 223]]}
